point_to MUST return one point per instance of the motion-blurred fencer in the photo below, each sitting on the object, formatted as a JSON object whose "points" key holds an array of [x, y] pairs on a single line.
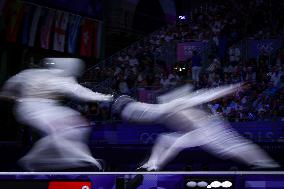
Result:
{"points": [[210, 132], [194, 126], [170, 103], [37, 93]]}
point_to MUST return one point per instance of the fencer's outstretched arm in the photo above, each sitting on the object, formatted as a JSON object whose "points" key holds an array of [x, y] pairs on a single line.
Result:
{"points": [[74, 89], [202, 96], [132, 110], [142, 112], [13, 89]]}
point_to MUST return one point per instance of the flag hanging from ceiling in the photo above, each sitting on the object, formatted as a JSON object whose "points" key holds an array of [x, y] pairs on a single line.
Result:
{"points": [[27, 19], [98, 39], [73, 32], [14, 17], [87, 35], [34, 26], [46, 27], [61, 23]]}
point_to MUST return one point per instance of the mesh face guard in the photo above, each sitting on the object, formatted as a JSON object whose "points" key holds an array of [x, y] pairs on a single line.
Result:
{"points": [[70, 66]]}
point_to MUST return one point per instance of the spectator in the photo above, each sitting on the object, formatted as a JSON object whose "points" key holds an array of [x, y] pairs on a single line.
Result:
{"points": [[235, 55], [123, 58], [133, 61], [196, 67]]}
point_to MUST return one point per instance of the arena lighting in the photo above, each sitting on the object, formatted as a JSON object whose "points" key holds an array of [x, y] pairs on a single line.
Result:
{"points": [[226, 184], [202, 184], [181, 17], [191, 184], [216, 184]]}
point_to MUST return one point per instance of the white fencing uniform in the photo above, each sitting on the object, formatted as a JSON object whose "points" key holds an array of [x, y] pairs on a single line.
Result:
{"points": [[194, 127], [64, 130]]}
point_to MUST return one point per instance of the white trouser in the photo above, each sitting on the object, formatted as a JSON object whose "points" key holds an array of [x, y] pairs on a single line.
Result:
{"points": [[196, 128], [64, 135]]}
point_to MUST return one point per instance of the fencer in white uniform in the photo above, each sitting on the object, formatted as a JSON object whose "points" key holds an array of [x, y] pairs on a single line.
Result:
{"points": [[64, 131], [194, 127]]}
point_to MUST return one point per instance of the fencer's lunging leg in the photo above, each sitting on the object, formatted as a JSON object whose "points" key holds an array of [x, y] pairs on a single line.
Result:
{"points": [[214, 136], [199, 129], [162, 143], [65, 147], [175, 145]]}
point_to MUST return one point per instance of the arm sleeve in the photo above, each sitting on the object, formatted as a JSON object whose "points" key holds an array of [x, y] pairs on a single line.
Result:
{"points": [[142, 112], [11, 89], [130, 110], [76, 90]]}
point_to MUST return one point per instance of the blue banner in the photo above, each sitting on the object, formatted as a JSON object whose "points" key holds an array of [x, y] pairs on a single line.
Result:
{"points": [[185, 50], [132, 134], [255, 47]]}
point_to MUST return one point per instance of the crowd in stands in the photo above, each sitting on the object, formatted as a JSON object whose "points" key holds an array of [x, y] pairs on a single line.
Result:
{"points": [[263, 100], [138, 66]]}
